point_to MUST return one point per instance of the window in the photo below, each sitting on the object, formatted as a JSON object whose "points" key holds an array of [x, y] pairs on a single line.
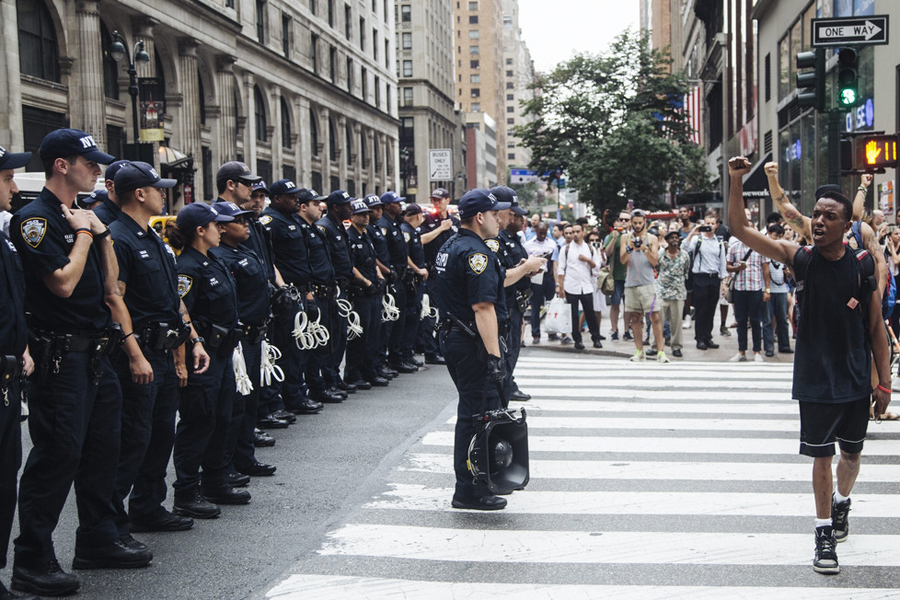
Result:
{"points": [[473, 19], [377, 91], [407, 96], [510, 85], [509, 61], [285, 124], [201, 98], [330, 13], [364, 81], [474, 64], [38, 51], [385, 13], [510, 144], [313, 52], [473, 50], [259, 113], [316, 180], [511, 156], [407, 133], [110, 67], [510, 97], [312, 7], [332, 63], [407, 68], [332, 143], [476, 107], [289, 172], [473, 34], [510, 121], [349, 74], [348, 130], [509, 73], [286, 35], [387, 54], [476, 92], [405, 13], [261, 21], [474, 78], [348, 26], [362, 34], [406, 40], [387, 98], [363, 148], [510, 109], [473, 6], [375, 44]]}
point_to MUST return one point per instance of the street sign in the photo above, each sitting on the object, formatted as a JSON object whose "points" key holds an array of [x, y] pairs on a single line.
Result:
{"points": [[857, 31], [518, 176], [440, 165]]}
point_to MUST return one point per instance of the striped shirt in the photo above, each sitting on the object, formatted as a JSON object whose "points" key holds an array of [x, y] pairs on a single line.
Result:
{"points": [[751, 278]]}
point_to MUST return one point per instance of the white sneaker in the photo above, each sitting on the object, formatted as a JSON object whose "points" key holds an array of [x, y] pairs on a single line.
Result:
{"points": [[686, 324], [757, 357], [738, 358], [638, 356], [661, 357]]}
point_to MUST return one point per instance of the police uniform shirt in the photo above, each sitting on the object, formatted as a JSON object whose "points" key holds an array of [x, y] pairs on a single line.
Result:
{"points": [[289, 249], [395, 243], [363, 253], [500, 252], [468, 273], [44, 240], [432, 222], [147, 267], [513, 252], [376, 236], [339, 246], [13, 331], [321, 269], [413, 244], [207, 289], [259, 243], [249, 274], [108, 211]]}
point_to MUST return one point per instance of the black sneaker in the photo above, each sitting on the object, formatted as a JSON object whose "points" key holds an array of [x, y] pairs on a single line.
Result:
{"points": [[614, 336], [839, 513], [825, 561], [627, 337], [114, 555], [195, 506]]}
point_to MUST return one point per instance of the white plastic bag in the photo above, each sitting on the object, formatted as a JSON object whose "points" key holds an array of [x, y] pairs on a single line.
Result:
{"points": [[559, 317]]}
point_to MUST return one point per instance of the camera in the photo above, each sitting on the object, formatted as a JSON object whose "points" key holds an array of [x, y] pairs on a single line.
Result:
{"points": [[638, 242], [596, 245], [705, 228]]}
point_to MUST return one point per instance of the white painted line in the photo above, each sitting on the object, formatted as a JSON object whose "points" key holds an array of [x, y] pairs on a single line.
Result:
{"points": [[576, 362], [653, 382], [659, 471], [706, 377], [538, 422], [337, 587], [656, 445], [743, 504], [541, 406], [599, 547], [538, 390]]}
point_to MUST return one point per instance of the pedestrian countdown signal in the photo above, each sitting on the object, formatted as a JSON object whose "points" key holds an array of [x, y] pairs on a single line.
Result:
{"points": [[877, 151]]}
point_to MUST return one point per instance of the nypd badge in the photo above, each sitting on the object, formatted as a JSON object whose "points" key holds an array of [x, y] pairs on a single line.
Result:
{"points": [[406, 236], [265, 219], [184, 285], [494, 245], [478, 262], [33, 231], [384, 230]]}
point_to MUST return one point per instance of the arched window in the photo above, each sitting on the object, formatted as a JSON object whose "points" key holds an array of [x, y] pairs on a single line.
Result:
{"points": [[332, 141], [349, 149], [285, 124], [314, 133], [38, 50], [110, 66], [259, 110]]}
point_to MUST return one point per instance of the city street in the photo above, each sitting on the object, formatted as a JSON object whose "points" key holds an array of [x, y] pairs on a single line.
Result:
{"points": [[647, 481]]}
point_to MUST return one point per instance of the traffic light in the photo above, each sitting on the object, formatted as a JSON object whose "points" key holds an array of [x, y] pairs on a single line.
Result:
{"points": [[877, 151], [848, 78], [811, 84]]}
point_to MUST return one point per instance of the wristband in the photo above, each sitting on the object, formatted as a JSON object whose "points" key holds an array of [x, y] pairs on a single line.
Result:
{"points": [[100, 236], [198, 340], [862, 188], [125, 337], [883, 389], [84, 230]]}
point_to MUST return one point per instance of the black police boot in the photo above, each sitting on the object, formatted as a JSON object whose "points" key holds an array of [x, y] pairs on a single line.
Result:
{"points": [[162, 521], [193, 504], [415, 361], [114, 555], [362, 384], [519, 396], [483, 503], [226, 495], [434, 359], [307, 407], [271, 422], [284, 416], [261, 439], [134, 544], [5, 594], [235, 479], [379, 382], [257, 469], [349, 388], [404, 367], [336, 391], [324, 396], [47, 579], [387, 373]]}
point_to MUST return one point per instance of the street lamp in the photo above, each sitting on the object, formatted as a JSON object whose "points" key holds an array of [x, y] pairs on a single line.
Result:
{"points": [[138, 55]]}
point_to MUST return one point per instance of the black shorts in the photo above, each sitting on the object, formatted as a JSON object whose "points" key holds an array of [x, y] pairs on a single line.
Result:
{"points": [[822, 424]]}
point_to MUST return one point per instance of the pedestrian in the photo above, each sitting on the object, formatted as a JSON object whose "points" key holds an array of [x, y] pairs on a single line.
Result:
{"points": [[751, 290], [612, 246], [840, 330], [70, 267], [674, 266], [469, 288], [577, 282], [155, 324], [640, 254], [595, 239], [15, 360], [708, 270], [543, 285], [775, 311], [438, 227]]}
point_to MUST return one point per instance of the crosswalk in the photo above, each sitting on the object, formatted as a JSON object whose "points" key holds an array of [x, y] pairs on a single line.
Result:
{"points": [[647, 481]]}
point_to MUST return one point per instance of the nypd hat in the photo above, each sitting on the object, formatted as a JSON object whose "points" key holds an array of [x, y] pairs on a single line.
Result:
{"points": [[338, 197], [283, 187], [506, 194], [440, 194], [8, 160], [359, 207], [63, 143], [413, 209], [477, 201], [95, 196], [113, 168], [372, 201], [230, 209], [236, 171], [137, 174], [260, 185], [198, 214], [388, 197], [310, 196]]}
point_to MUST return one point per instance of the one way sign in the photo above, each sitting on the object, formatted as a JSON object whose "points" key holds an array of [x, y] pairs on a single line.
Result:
{"points": [[860, 31]]}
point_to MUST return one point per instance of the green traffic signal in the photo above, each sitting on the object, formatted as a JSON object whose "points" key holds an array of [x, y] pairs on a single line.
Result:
{"points": [[848, 78]]}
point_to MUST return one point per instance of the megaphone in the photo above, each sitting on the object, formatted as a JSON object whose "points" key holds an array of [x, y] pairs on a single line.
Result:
{"points": [[498, 452]]}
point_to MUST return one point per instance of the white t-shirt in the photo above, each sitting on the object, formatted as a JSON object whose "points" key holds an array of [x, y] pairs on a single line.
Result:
{"points": [[579, 278]]}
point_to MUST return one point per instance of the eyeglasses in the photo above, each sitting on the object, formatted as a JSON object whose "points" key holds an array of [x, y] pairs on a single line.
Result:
{"points": [[621, 219]]}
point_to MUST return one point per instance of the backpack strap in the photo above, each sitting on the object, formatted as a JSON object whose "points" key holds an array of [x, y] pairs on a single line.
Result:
{"points": [[856, 230], [802, 258]]}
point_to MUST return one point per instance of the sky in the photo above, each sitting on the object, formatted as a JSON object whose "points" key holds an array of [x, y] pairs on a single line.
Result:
{"points": [[554, 30]]}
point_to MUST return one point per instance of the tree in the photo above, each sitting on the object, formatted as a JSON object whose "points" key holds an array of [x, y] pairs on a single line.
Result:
{"points": [[614, 124]]}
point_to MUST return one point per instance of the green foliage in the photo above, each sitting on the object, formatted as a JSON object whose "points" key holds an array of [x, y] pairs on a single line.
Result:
{"points": [[612, 122]]}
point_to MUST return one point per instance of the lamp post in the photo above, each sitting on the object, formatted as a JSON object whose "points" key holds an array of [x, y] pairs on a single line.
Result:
{"points": [[138, 55]]}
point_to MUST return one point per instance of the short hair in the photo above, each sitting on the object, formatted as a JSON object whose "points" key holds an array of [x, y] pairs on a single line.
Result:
{"points": [[221, 185], [775, 228], [843, 201], [711, 212], [577, 224], [467, 221], [583, 221], [773, 217], [126, 198], [48, 164]]}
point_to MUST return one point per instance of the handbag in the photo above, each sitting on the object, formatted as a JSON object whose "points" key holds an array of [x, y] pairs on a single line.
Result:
{"points": [[605, 282]]}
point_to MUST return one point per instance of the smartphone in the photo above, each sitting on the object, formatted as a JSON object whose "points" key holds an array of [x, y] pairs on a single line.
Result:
{"points": [[705, 228]]}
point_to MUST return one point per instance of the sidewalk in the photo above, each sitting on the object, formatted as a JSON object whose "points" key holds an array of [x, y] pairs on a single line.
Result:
{"points": [[728, 346]]}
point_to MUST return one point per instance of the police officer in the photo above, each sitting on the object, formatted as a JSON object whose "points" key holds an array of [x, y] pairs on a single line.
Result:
{"points": [[390, 223], [75, 397], [251, 278], [209, 292], [469, 287], [383, 261], [15, 359], [332, 227], [147, 306], [416, 276], [367, 288], [517, 294], [439, 226], [110, 207]]}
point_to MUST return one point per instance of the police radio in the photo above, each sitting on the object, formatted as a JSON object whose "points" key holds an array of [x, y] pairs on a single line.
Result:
{"points": [[498, 452]]}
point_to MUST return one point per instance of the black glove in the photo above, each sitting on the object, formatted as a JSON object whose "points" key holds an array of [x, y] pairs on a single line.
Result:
{"points": [[496, 370], [392, 276], [312, 309]]}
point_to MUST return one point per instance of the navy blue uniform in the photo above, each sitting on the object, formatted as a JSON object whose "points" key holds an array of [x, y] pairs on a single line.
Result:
{"points": [[322, 280], [339, 248], [147, 268], [13, 339], [415, 288], [209, 293], [512, 251], [108, 211], [75, 407], [361, 352], [432, 222], [467, 272], [397, 255]]}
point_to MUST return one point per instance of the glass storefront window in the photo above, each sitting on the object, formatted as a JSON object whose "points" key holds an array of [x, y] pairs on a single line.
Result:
{"points": [[784, 67], [808, 162]]}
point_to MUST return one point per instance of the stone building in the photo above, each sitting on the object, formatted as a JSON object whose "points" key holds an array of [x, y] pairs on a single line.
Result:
{"points": [[518, 77], [304, 90]]}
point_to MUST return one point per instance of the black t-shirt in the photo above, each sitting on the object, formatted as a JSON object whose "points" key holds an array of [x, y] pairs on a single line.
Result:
{"points": [[832, 362], [147, 268], [13, 331], [44, 240]]}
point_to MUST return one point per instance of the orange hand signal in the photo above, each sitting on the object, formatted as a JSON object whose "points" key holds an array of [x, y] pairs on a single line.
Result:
{"points": [[872, 152]]}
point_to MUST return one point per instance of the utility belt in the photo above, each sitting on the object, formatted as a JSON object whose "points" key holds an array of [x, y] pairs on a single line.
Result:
{"points": [[218, 337], [160, 335], [254, 334], [469, 328], [10, 368], [522, 298], [411, 277], [322, 291], [49, 348]]}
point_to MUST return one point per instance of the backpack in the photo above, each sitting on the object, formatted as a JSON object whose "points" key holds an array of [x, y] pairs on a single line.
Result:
{"points": [[889, 298], [868, 282]]}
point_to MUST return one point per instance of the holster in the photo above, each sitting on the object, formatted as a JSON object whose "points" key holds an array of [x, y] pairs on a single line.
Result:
{"points": [[10, 367]]}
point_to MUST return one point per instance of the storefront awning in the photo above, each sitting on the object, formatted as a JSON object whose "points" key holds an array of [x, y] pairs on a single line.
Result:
{"points": [[171, 158]]}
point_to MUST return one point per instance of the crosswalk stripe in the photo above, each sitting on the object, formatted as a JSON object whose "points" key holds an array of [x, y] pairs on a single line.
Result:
{"points": [[617, 423], [629, 374], [659, 470], [418, 497], [542, 405], [653, 383], [599, 547], [600, 390], [339, 587]]}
